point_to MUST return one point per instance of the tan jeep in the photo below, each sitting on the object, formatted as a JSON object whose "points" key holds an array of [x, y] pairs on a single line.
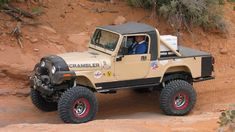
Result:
{"points": [[68, 82]]}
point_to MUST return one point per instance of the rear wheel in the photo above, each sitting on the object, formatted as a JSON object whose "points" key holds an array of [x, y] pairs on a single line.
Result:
{"points": [[177, 98], [41, 103], [77, 105]]}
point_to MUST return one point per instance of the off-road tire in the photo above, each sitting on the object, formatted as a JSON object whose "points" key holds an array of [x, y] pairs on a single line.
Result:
{"points": [[68, 100], [172, 93], [41, 103]]}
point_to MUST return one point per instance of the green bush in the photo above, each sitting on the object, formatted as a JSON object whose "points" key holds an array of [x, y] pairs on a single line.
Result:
{"points": [[3, 1], [227, 119], [140, 3], [207, 14], [231, 0]]}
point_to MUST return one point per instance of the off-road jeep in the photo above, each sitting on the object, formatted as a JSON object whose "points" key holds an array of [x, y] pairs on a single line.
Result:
{"points": [[68, 82]]}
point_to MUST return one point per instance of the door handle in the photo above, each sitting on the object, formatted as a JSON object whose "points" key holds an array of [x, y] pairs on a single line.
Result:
{"points": [[143, 58], [119, 58]]}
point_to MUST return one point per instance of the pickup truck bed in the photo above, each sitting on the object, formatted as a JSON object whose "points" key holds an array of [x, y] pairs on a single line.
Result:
{"points": [[186, 53]]}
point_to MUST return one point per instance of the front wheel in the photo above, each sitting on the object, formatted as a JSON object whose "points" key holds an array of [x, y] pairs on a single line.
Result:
{"points": [[177, 98], [41, 103], [77, 105]]}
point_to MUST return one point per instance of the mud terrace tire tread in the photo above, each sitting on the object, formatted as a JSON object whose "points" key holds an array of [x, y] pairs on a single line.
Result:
{"points": [[168, 93], [65, 104], [41, 103]]}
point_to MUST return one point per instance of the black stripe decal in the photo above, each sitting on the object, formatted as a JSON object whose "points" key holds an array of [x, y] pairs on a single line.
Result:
{"points": [[129, 83]]}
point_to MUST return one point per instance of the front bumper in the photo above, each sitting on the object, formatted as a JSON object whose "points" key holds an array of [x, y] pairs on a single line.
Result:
{"points": [[38, 85], [47, 87]]}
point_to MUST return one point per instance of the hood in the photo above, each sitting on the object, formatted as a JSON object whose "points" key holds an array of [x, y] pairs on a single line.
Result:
{"points": [[88, 60]]}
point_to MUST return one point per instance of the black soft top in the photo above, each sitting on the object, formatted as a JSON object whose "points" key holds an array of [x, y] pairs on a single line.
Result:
{"points": [[130, 28]]}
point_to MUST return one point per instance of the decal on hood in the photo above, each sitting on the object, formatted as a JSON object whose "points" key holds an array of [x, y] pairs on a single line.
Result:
{"points": [[98, 74], [91, 65], [106, 65]]}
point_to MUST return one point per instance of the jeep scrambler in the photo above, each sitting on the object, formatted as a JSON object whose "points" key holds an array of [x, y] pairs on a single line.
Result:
{"points": [[68, 82]]}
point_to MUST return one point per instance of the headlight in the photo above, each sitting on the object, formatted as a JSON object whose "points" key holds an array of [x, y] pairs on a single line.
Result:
{"points": [[43, 64], [53, 70]]}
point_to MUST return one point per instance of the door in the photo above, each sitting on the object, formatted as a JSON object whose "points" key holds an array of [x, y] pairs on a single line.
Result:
{"points": [[134, 66]]}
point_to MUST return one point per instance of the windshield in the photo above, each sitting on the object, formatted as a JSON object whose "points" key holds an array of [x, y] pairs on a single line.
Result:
{"points": [[105, 39]]}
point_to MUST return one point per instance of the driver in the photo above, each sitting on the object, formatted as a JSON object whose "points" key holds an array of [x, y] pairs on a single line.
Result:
{"points": [[139, 47]]}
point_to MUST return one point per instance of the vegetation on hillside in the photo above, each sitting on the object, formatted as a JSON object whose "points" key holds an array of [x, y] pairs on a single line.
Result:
{"points": [[3, 1], [227, 121], [207, 14]]}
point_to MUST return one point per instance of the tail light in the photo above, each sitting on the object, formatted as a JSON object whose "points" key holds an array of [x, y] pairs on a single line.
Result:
{"points": [[213, 60]]}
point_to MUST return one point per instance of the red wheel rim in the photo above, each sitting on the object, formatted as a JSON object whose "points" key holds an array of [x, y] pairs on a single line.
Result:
{"points": [[181, 101], [81, 108]]}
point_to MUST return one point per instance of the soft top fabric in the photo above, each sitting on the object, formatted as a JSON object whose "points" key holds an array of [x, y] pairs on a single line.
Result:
{"points": [[130, 28]]}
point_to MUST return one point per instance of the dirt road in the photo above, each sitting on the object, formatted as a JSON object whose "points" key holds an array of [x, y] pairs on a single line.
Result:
{"points": [[127, 110]]}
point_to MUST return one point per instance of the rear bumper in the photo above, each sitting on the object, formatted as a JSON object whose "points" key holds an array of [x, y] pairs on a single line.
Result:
{"points": [[203, 79]]}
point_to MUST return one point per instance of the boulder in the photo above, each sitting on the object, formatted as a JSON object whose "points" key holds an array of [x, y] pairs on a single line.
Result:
{"points": [[48, 28], [80, 39], [120, 20], [224, 51]]}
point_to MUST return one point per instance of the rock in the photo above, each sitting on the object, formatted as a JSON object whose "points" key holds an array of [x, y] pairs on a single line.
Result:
{"points": [[15, 71], [112, 1], [55, 40], [228, 81], [4, 34], [59, 43], [80, 39], [232, 67], [36, 50], [33, 40], [22, 92], [223, 51], [62, 16], [119, 20], [2, 49], [48, 29], [4, 91], [8, 24], [2, 74]]}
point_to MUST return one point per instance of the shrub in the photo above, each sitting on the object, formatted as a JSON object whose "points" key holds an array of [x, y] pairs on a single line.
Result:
{"points": [[207, 14], [231, 0], [204, 13], [227, 119], [3, 1], [140, 3]]}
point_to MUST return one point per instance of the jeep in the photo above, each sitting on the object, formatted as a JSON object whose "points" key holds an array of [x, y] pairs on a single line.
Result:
{"points": [[68, 82]]}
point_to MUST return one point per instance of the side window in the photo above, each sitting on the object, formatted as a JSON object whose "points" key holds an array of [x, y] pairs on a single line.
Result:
{"points": [[136, 44], [123, 47]]}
